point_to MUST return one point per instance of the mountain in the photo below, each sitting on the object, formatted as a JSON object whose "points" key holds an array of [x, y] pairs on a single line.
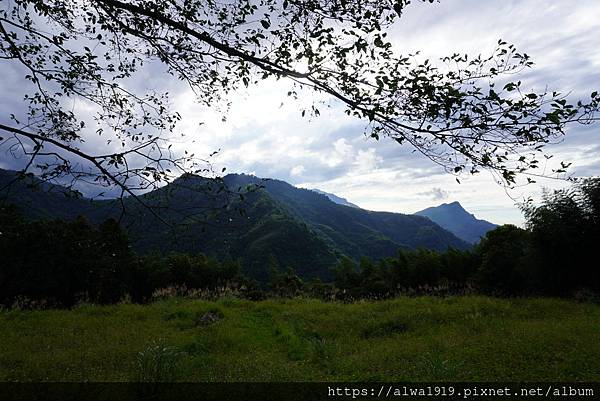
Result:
{"points": [[41, 200], [242, 216], [335, 198], [454, 218], [354, 231]]}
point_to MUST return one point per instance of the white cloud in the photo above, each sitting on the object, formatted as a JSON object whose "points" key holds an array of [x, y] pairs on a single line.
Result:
{"points": [[436, 194], [342, 152], [297, 170], [366, 161], [330, 152]]}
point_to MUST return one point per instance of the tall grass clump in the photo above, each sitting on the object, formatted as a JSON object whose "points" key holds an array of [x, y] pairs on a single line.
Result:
{"points": [[158, 363]]}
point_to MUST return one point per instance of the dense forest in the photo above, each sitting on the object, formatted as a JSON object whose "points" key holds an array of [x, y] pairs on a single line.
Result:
{"points": [[63, 262]]}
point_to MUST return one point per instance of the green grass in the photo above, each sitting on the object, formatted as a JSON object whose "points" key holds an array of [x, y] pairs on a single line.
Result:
{"points": [[406, 339]]}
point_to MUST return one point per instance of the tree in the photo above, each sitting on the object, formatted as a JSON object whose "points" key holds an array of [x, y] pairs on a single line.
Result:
{"points": [[425, 266], [457, 114], [564, 236], [63, 262], [503, 254], [346, 275]]}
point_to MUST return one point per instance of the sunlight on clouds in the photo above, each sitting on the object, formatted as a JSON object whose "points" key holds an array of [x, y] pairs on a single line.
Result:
{"points": [[366, 161], [297, 170], [342, 151], [271, 139]]}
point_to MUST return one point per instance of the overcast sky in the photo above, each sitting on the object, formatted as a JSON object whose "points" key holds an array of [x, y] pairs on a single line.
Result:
{"points": [[330, 153], [264, 137]]}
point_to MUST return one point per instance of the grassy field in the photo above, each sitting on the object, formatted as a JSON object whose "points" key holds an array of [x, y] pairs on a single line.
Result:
{"points": [[406, 339]]}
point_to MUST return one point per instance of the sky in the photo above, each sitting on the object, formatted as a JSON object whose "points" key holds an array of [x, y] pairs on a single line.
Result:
{"points": [[268, 138], [264, 137]]}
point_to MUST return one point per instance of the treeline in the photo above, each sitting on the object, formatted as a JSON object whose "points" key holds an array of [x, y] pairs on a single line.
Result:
{"points": [[554, 256], [60, 263]]}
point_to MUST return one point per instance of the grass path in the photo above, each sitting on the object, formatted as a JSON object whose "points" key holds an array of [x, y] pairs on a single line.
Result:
{"points": [[406, 339]]}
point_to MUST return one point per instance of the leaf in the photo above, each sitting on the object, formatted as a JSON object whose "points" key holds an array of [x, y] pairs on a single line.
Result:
{"points": [[265, 23], [398, 8], [553, 117]]}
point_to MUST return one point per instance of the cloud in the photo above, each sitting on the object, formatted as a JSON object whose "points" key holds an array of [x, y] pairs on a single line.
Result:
{"points": [[436, 194], [367, 161], [272, 139], [342, 152], [297, 170]]}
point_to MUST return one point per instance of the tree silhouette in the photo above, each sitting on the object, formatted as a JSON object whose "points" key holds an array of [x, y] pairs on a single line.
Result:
{"points": [[460, 113], [564, 235]]}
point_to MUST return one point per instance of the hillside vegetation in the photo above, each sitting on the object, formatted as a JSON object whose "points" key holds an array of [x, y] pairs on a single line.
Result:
{"points": [[456, 338], [241, 216], [58, 263]]}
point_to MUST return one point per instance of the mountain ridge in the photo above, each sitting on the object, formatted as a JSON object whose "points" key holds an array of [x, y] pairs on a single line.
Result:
{"points": [[273, 220], [336, 199], [454, 218]]}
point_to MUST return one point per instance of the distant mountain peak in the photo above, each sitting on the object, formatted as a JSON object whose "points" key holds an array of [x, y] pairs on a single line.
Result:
{"points": [[456, 219], [335, 199], [453, 205]]}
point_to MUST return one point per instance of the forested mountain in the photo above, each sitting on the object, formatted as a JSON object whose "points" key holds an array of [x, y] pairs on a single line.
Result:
{"points": [[242, 216], [454, 218], [354, 231]]}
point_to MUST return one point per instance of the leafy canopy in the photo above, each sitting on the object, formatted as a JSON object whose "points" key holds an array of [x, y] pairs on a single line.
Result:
{"points": [[464, 113]]}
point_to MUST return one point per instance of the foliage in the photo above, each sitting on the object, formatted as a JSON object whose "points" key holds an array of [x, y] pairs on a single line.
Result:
{"points": [[553, 256], [461, 112], [421, 271], [65, 262], [277, 220], [61, 263], [503, 260], [158, 363], [565, 231], [285, 284]]}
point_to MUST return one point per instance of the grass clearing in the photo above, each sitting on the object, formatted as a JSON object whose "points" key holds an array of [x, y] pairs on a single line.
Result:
{"points": [[405, 339]]}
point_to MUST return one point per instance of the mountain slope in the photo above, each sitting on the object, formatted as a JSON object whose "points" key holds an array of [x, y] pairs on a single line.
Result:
{"points": [[356, 232], [298, 227], [454, 218], [201, 218], [335, 199], [40, 200]]}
